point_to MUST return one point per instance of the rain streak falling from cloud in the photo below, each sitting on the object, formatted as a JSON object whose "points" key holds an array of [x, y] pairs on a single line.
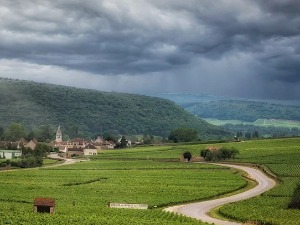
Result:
{"points": [[243, 48]]}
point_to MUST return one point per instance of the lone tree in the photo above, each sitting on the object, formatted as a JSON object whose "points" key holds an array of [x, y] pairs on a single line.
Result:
{"points": [[123, 143], [187, 155]]}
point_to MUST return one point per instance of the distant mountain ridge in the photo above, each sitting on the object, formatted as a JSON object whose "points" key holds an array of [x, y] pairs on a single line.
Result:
{"points": [[84, 112], [190, 98], [228, 108]]}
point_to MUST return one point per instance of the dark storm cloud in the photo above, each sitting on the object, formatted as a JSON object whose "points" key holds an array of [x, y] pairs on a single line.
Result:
{"points": [[89, 36], [139, 37], [288, 8]]}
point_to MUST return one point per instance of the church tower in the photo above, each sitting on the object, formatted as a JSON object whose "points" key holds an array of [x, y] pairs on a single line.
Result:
{"points": [[58, 135]]}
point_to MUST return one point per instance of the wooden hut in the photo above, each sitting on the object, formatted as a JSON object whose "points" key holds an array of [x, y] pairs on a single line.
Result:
{"points": [[44, 205]]}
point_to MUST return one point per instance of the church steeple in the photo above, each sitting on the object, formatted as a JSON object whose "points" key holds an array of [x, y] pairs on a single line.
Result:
{"points": [[58, 135]]}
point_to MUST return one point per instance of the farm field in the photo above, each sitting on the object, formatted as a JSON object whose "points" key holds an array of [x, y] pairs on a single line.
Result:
{"points": [[154, 176], [282, 158], [258, 122], [83, 190], [219, 122], [277, 123]]}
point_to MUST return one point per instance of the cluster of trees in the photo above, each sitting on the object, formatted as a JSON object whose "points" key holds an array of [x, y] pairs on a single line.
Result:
{"points": [[214, 155], [148, 139], [16, 131], [30, 158], [184, 135], [251, 131], [219, 154]]}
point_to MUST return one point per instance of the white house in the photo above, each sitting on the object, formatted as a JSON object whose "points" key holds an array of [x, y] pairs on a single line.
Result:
{"points": [[90, 149], [110, 145], [10, 154]]}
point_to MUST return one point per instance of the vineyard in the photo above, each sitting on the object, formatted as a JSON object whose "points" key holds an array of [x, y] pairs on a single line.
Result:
{"points": [[83, 190], [279, 156], [282, 157], [154, 176]]}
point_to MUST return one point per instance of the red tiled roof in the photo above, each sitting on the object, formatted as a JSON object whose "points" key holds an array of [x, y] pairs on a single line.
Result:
{"points": [[44, 202], [77, 140], [111, 142], [90, 146], [61, 147], [75, 149], [97, 144]]}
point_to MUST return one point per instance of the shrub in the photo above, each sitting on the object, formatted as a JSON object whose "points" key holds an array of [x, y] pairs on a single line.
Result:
{"points": [[187, 155], [295, 202]]}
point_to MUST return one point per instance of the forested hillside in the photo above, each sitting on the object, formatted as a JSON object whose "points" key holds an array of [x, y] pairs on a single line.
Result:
{"points": [[228, 108], [268, 117], [82, 112]]}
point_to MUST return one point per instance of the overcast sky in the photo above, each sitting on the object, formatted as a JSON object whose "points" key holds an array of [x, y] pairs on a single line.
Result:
{"points": [[242, 48]]}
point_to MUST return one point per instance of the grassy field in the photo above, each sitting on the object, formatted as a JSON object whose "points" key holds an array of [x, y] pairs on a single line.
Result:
{"points": [[83, 190], [259, 122], [153, 176], [218, 122], [282, 157], [277, 123]]}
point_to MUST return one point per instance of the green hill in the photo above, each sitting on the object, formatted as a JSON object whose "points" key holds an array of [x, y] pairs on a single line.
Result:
{"points": [[83, 112], [269, 117]]}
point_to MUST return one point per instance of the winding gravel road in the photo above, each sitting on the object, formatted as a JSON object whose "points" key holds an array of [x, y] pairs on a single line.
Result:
{"points": [[200, 210], [67, 161]]}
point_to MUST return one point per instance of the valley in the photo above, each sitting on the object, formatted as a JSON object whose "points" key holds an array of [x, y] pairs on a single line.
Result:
{"points": [[269, 117]]}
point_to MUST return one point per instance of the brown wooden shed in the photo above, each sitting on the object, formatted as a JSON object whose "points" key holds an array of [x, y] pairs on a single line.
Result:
{"points": [[44, 205]]}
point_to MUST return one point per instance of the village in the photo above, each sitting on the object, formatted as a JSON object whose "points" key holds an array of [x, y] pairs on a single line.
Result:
{"points": [[66, 149]]}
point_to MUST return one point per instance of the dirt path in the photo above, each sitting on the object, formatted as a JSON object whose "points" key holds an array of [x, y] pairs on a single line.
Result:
{"points": [[200, 210], [66, 161]]}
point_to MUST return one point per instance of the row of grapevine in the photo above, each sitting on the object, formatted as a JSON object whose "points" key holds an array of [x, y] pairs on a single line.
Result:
{"points": [[82, 193], [282, 157]]}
